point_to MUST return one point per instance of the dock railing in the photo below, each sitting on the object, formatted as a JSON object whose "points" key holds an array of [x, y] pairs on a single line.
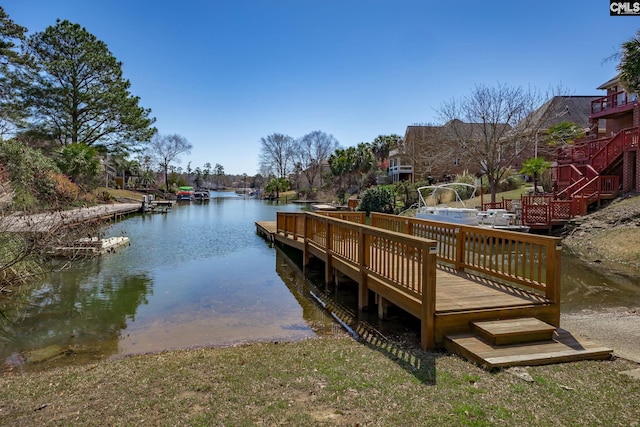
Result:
{"points": [[373, 257], [527, 260]]}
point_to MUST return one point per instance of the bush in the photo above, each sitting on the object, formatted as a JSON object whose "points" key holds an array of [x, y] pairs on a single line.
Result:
{"points": [[30, 173], [66, 191], [81, 163], [378, 199], [466, 178], [510, 181]]}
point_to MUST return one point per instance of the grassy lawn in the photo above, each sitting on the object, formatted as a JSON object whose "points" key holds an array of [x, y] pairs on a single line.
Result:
{"points": [[327, 381], [120, 194]]}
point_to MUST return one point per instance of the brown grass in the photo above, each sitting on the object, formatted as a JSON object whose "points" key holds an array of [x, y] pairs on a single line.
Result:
{"points": [[328, 381], [120, 194]]}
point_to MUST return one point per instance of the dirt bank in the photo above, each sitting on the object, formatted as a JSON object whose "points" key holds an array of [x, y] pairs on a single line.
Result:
{"points": [[611, 234], [611, 238]]}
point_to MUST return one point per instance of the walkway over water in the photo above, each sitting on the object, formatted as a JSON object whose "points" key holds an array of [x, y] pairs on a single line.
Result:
{"points": [[450, 277], [49, 221]]}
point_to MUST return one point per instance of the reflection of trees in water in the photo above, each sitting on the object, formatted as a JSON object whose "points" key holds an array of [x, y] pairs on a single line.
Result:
{"points": [[82, 306]]}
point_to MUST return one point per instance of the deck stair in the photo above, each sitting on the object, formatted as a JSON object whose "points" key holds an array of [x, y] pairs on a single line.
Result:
{"points": [[519, 342]]}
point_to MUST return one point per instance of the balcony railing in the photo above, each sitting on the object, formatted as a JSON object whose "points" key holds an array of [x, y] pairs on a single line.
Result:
{"points": [[619, 101], [398, 169]]}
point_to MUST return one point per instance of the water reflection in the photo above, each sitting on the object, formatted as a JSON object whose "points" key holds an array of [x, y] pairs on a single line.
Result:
{"points": [[72, 311], [197, 276]]}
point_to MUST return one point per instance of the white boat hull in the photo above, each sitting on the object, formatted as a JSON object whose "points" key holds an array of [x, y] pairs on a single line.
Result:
{"points": [[462, 216]]}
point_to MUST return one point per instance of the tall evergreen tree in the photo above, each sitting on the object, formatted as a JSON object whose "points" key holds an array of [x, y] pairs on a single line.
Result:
{"points": [[11, 60], [78, 93]]}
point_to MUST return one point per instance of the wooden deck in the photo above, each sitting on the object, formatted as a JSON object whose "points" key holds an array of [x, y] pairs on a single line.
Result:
{"points": [[447, 276]]}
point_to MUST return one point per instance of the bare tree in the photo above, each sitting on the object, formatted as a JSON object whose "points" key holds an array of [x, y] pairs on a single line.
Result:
{"points": [[276, 156], [428, 148], [311, 151], [166, 149], [493, 126]]}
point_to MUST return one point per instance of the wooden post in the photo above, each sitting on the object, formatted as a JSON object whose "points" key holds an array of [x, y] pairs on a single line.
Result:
{"points": [[363, 257], [305, 246], [460, 237], [328, 267], [553, 289], [383, 304], [428, 309]]}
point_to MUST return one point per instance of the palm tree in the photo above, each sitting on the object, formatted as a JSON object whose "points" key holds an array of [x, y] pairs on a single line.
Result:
{"points": [[381, 146], [629, 66], [534, 167]]}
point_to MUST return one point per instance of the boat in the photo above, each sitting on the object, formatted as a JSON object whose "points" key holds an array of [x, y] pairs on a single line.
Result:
{"points": [[461, 214], [323, 207], [440, 212], [201, 196], [500, 219], [185, 193]]}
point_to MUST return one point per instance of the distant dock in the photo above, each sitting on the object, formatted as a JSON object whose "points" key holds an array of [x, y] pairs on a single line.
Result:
{"points": [[49, 221]]}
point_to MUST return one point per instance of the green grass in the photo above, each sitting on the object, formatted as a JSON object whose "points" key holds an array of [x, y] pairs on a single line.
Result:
{"points": [[328, 381]]}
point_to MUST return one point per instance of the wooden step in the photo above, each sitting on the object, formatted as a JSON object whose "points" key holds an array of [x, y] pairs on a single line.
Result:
{"points": [[514, 331], [564, 347]]}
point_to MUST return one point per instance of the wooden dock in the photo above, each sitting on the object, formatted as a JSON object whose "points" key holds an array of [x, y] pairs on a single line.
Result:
{"points": [[49, 221], [448, 276]]}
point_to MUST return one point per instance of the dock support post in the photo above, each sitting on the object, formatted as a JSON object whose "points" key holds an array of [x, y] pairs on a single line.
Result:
{"points": [[459, 260], [305, 247], [363, 257], [328, 265], [553, 291], [383, 306], [428, 307]]}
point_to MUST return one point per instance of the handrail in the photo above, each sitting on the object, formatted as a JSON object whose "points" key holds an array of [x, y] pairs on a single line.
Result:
{"points": [[357, 217], [405, 262], [524, 259], [570, 190], [595, 187]]}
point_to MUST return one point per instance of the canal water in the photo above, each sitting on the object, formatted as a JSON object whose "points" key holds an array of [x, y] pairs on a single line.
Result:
{"points": [[200, 276]]}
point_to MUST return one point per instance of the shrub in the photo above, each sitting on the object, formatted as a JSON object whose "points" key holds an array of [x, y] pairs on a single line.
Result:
{"points": [[30, 174], [378, 199], [65, 190], [81, 163], [510, 181]]}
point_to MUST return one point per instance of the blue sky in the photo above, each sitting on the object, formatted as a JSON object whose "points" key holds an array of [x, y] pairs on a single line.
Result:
{"points": [[225, 73]]}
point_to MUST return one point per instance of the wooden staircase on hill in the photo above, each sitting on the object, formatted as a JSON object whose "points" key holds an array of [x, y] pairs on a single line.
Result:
{"points": [[586, 174], [519, 342], [591, 170]]}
